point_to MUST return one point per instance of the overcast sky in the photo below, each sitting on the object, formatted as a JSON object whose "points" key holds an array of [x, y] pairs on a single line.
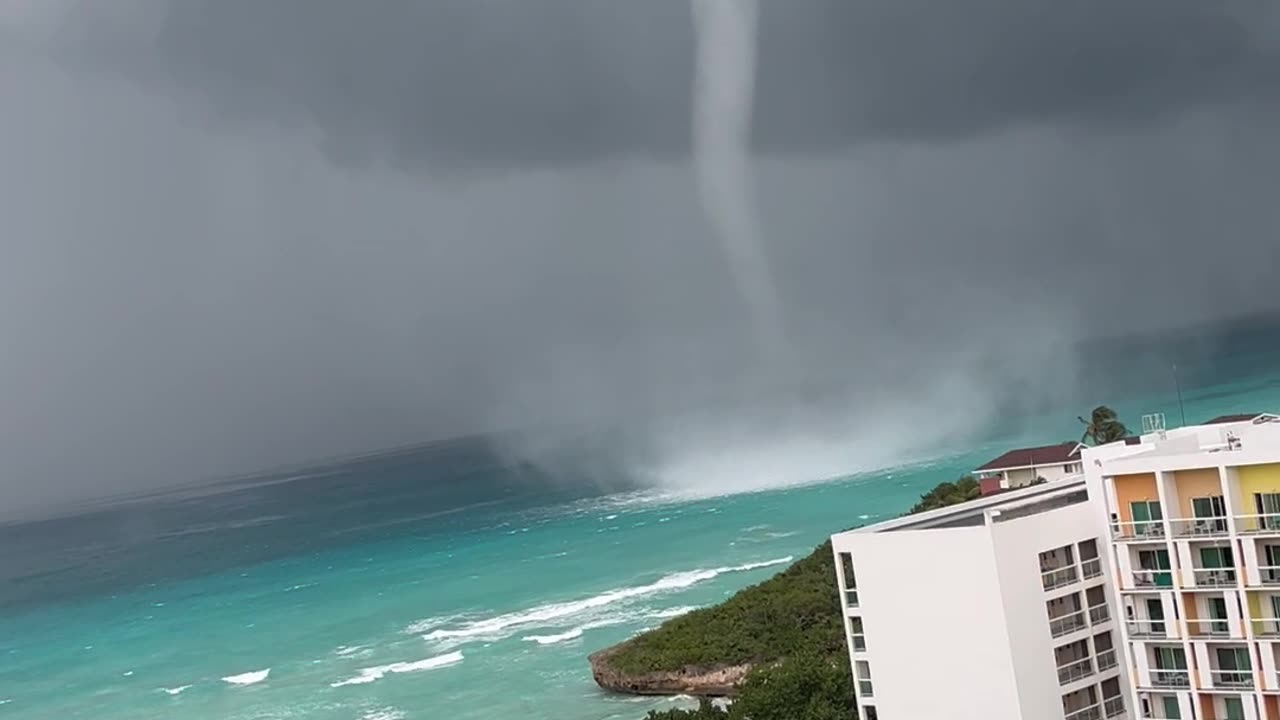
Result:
{"points": [[238, 233]]}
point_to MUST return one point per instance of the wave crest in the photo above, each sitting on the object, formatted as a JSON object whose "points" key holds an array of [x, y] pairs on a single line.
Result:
{"points": [[372, 674]]}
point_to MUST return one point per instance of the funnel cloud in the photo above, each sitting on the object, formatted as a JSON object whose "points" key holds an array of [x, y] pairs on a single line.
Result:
{"points": [[240, 234]]}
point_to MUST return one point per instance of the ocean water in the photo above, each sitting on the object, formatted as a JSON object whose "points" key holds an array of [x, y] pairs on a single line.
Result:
{"points": [[435, 583]]}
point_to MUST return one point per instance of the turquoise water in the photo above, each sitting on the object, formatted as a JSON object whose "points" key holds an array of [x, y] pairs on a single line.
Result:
{"points": [[293, 599]]}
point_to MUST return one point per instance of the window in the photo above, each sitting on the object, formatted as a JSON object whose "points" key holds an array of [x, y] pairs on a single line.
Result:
{"points": [[1234, 707], [1218, 613], [1146, 516], [1267, 506], [856, 634], [1153, 568], [1210, 513], [850, 580], [1170, 658], [1171, 707], [1217, 557]]}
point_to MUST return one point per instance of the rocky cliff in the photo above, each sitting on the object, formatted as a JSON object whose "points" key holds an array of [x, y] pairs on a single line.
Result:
{"points": [[702, 682]]}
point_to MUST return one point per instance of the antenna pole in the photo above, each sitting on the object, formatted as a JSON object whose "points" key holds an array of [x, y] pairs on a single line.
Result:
{"points": [[1178, 385]]}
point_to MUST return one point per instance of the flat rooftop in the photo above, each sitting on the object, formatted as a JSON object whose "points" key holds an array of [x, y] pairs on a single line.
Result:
{"points": [[1008, 505]]}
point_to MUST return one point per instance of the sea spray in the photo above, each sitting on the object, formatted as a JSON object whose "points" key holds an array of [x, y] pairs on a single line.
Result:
{"points": [[724, 89]]}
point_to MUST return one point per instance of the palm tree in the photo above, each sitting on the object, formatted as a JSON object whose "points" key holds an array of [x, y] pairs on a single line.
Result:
{"points": [[1103, 426]]}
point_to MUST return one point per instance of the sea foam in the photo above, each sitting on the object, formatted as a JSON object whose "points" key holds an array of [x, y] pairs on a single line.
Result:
{"points": [[502, 625], [248, 678], [372, 674]]}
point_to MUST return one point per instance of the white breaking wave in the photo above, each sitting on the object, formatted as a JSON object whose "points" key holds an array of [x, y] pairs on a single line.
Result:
{"points": [[371, 674], [175, 690], [248, 678], [553, 639], [389, 713], [503, 625]]}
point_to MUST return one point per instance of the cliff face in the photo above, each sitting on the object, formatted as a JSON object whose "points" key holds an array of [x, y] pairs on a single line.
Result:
{"points": [[701, 682]]}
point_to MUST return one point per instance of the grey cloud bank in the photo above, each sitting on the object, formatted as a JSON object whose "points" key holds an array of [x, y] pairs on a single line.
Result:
{"points": [[239, 234]]}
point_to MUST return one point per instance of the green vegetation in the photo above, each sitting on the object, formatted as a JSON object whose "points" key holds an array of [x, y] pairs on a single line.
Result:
{"points": [[1103, 426], [788, 627], [797, 609], [806, 686], [947, 493]]}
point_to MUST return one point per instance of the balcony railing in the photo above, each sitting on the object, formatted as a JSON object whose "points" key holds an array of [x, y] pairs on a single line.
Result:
{"points": [[1148, 629], [1091, 569], [1269, 574], [1138, 531], [1170, 679], [1258, 524], [1212, 628], [1061, 577], [1198, 527], [1113, 707], [1106, 660], [1077, 670], [1233, 679], [1143, 579], [1099, 614], [1214, 577], [1093, 712], [1067, 624], [1266, 627]]}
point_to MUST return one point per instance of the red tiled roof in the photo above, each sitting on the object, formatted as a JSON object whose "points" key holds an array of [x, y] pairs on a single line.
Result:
{"points": [[1059, 454]]}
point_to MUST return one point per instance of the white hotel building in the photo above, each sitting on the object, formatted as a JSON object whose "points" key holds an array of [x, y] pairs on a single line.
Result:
{"points": [[1148, 587]]}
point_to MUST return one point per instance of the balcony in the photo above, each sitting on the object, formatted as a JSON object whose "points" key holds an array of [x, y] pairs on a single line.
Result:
{"points": [[1067, 624], [1091, 569], [1061, 577], [1211, 628], [1099, 614], [1073, 671], [1148, 629], [1151, 579], [1214, 577], [1258, 524], [1106, 661], [1139, 531], [1093, 712], [1177, 679], [1198, 527], [1113, 707], [1232, 679], [1269, 575], [1267, 627]]}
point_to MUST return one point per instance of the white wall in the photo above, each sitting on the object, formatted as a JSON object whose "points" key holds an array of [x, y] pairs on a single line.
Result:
{"points": [[934, 620], [1017, 544]]}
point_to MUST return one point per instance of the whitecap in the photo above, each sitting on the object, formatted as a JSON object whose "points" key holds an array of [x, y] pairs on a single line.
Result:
{"points": [[388, 713], [175, 690], [248, 678], [553, 639], [780, 535], [348, 651], [371, 674], [863, 517], [503, 625]]}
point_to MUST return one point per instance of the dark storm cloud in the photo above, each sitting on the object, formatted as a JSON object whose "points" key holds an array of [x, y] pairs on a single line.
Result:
{"points": [[454, 84], [235, 234]]}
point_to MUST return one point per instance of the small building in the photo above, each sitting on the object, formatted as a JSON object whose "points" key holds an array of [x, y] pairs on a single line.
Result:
{"points": [[1027, 466]]}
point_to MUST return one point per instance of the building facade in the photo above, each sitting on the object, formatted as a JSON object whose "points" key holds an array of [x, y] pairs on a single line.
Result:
{"points": [[998, 609], [1193, 519], [1027, 466]]}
